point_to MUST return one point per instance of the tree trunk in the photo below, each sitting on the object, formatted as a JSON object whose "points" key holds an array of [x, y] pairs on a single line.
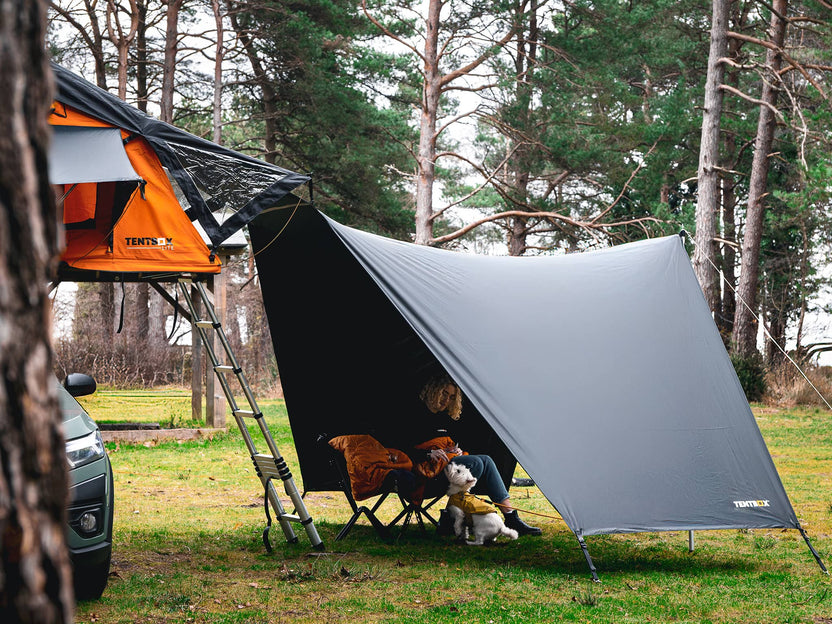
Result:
{"points": [[744, 338], [141, 57], [725, 320], [122, 40], [728, 256], [169, 62], [141, 321], [97, 46], [524, 63], [707, 206], [219, 55], [35, 574], [426, 156], [262, 80], [107, 305]]}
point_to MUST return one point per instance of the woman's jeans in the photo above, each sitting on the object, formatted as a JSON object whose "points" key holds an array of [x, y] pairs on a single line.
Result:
{"points": [[488, 479]]}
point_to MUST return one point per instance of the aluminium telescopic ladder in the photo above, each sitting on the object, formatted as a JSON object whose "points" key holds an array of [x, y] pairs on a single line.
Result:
{"points": [[269, 465]]}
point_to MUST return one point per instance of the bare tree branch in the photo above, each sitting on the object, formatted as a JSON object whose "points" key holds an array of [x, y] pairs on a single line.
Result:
{"points": [[626, 184], [388, 32], [784, 55], [753, 100], [554, 216]]}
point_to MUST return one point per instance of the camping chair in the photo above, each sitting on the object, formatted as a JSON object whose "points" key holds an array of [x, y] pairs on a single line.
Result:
{"points": [[416, 499]]}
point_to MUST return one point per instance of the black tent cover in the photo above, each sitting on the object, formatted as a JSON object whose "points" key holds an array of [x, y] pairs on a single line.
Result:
{"points": [[212, 178]]}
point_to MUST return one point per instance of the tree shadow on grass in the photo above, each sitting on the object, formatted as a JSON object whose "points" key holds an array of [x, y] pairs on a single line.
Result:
{"points": [[557, 551]]}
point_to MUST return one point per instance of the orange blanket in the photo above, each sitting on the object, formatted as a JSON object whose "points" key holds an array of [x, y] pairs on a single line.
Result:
{"points": [[368, 462], [431, 468]]}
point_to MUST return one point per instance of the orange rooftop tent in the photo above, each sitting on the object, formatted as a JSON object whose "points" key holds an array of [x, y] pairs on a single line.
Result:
{"points": [[133, 187]]}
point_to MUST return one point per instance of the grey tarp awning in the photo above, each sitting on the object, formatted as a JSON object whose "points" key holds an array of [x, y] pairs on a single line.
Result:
{"points": [[603, 373], [82, 154]]}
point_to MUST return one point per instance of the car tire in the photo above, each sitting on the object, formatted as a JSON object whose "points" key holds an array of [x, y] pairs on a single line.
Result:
{"points": [[91, 581]]}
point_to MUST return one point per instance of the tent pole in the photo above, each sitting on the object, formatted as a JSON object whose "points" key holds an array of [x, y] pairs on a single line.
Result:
{"points": [[588, 558], [812, 548], [690, 541]]}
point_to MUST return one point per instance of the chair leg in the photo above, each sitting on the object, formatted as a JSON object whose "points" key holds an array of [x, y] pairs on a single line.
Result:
{"points": [[377, 524], [348, 526]]}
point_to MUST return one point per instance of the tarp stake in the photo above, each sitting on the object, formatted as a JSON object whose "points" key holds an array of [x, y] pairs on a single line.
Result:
{"points": [[588, 558], [812, 548]]}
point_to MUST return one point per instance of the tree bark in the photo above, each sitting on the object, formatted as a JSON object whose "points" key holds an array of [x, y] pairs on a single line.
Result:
{"points": [[107, 305], [725, 319], [219, 55], [35, 574], [262, 80], [728, 254], [707, 206], [426, 155], [141, 57], [169, 61], [122, 40], [525, 58], [744, 338]]}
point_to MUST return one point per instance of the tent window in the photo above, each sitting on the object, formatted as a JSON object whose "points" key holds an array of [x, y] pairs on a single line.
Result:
{"points": [[225, 183]]}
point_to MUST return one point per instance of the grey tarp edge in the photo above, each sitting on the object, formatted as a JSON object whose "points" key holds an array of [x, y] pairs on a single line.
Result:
{"points": [[81, 154], [602, 372]]}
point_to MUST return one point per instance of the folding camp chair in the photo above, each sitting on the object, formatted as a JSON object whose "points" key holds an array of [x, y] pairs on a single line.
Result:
{"points": [[416, 499]]}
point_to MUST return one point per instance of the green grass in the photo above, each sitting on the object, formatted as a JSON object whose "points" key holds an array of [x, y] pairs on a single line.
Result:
{"points": [[187, 548], [170, 407]]}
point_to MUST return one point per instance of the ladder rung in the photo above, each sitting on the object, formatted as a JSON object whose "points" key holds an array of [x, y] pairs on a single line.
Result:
{"points": [[244, 413], [266, 465], [206, 324]]}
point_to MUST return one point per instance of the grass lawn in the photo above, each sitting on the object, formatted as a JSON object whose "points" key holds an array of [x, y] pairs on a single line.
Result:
{"points": [[187, 547]]}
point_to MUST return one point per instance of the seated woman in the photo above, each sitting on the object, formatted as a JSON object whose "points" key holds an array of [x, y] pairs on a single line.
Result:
{"points": [[441, 398]]}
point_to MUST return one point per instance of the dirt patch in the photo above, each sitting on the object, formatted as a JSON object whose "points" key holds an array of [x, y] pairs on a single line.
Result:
{"points": [[154, 436]]}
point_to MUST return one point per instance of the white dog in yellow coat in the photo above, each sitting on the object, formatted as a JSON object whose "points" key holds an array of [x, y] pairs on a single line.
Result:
{"points": [[467, 510]]}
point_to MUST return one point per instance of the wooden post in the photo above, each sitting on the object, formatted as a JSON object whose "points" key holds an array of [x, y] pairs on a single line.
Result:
{"points": [[196, 362], [214, 397]]}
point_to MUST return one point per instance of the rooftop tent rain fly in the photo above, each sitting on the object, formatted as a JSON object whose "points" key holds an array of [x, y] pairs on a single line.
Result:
{"points": [[602, 373], [185, 179]]}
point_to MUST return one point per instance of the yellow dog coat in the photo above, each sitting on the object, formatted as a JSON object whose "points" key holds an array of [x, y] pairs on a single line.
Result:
{"points": [[470, 504]]}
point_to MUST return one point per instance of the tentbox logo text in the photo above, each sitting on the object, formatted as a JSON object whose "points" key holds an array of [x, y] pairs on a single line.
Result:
{"points": [[148, 242], [751, 503]]}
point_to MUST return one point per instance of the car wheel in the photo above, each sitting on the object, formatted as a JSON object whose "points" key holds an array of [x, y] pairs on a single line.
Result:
{"points": [[91, 581]]}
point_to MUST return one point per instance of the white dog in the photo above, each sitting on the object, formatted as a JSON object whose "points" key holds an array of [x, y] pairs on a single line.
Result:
{"points": [[466, 509]]}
